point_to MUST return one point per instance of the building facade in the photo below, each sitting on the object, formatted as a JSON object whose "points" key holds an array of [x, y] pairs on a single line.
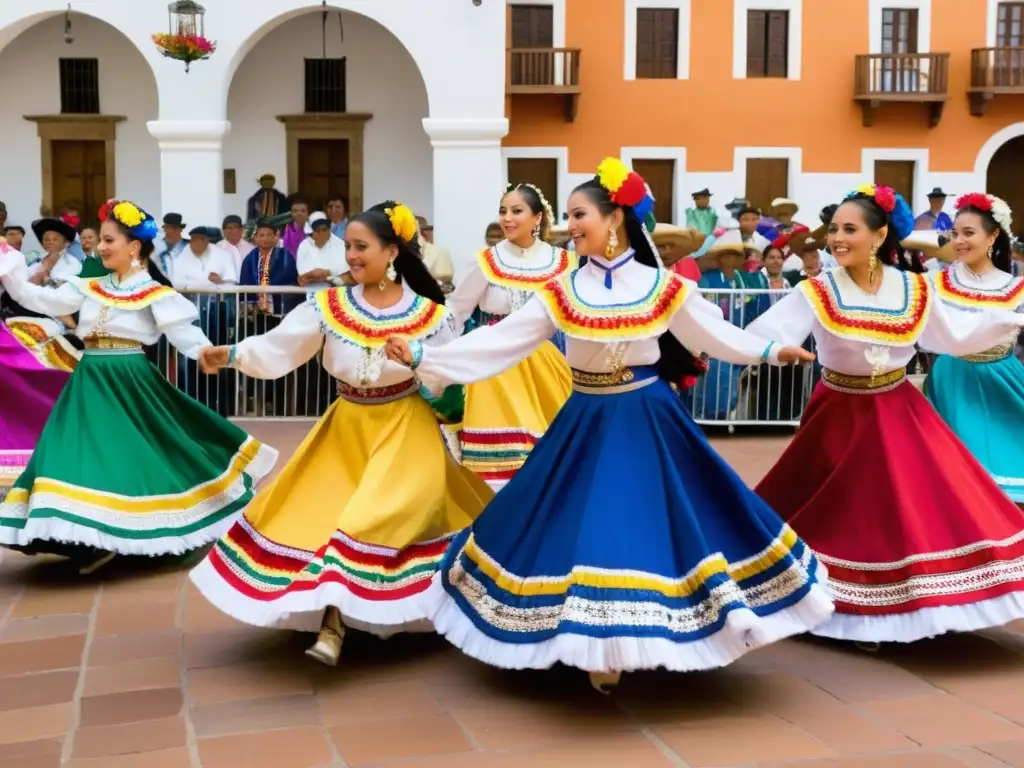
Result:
{"points": [[439, 103]]}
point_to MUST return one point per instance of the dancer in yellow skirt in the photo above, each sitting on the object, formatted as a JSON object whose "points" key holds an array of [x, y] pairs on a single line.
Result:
{"points": [[352, 530], [506, 415]]}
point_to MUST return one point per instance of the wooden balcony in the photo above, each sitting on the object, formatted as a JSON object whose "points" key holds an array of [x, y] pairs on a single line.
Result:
{"points": [[545, 71], [994, 72], [917, 78]]}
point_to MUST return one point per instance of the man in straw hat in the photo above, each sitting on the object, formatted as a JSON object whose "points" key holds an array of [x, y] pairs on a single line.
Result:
{"points": [[702, 216], [675, 244], [783, 210]]}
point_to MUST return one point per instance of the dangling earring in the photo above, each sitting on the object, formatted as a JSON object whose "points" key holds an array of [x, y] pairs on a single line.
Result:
{"points": [[389, 274], [137, 263], [536, 230], [872, 264], [613, 243], [990, 253]]}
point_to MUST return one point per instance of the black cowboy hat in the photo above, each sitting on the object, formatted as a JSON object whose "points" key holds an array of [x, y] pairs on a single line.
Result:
{"points": [[174, 220], [937, 192], [702, 193], [41, 226]]}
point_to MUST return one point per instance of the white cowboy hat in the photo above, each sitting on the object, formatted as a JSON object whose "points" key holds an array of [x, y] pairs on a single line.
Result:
{"points": [[730, 240], [314, 217]]}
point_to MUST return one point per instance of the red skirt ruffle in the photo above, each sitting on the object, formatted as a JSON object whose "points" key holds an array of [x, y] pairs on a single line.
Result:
{"points": [[901, 514]]}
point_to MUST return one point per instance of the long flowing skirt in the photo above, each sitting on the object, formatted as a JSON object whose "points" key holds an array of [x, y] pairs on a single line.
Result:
{"points": [[917, 538], [625, 542], [507, 414], [358, 519], [33, 371], [129, 464], [983, 403]]}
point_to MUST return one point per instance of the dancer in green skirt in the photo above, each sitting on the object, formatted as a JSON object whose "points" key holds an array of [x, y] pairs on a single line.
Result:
{"points": [[126, 464]]}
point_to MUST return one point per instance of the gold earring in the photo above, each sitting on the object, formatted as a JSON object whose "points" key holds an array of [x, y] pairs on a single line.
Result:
{"points": [[613, 243], [990, 252], [872, 264]]}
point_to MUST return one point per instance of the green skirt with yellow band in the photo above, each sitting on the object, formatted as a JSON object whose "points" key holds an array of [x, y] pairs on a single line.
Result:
{"points": [[129, 464]]}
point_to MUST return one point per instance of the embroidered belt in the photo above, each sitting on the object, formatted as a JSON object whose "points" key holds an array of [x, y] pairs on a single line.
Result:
{"points": [[993, 355], [863, 385], [377, 395], [613, 382], [111, 343]]}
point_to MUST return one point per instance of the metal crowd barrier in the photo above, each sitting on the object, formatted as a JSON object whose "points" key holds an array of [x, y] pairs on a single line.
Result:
{"points": [[727, 395]]}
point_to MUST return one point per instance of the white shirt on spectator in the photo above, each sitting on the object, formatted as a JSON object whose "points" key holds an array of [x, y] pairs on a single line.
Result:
{"points": [[67, 266], [238, 252], [193, 272], [331, 257]]}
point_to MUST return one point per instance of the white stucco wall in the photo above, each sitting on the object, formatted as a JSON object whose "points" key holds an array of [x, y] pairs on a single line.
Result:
{"points": [[29, 70], [382, 80]]}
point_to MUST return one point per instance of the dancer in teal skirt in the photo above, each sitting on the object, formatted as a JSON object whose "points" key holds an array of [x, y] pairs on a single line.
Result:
{"points": [[981, 396]]}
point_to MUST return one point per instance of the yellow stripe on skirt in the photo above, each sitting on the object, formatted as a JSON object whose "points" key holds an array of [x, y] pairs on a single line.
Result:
{"points": [[359, 519], [505, 416]]}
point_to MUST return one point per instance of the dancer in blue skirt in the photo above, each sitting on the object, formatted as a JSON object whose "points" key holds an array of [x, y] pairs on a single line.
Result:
{"points": [[981, 396], [625, 542]]}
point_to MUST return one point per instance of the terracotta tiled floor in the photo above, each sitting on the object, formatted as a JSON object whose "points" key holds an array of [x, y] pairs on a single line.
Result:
{"points": [[135, 670]]}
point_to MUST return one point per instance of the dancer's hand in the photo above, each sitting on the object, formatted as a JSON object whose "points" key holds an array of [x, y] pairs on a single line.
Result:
{"points": [[212, 359], [398, 351], [796, 355]]}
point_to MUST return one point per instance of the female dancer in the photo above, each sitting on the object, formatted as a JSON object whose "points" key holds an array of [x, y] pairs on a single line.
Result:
{"points": [[353, 528], [917, 538], [981, 396], [624, 542], [506, 415], [154, 472]]}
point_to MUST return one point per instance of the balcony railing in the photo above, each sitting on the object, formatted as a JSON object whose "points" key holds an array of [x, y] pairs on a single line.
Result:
{"points": [[545, 71], [995, 71], [901, 77]]}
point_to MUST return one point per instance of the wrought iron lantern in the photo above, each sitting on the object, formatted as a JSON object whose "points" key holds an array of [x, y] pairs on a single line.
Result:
{"points": [[186, 37]]}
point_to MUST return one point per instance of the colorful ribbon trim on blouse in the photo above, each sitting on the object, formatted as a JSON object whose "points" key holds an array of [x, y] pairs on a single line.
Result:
{"points": [[102, 290], [344, 318], [895, 327], [498, 272], [950, 289], [649, 316]]}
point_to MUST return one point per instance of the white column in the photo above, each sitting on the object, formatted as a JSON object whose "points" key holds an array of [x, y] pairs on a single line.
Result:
{"points": [[191, 169], [468, 181]]}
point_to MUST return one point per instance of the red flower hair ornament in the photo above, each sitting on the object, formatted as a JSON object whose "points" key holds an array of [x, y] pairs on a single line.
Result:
{"points": [[974, 200]]}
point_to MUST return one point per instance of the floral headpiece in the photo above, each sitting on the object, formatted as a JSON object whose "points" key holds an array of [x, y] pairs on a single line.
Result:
{"points": [[403, 222], [901, 217], [627, 188], [140, 225], [990, 203], [548, 212]]}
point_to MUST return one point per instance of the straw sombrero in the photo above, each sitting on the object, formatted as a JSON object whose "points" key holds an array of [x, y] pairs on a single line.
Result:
{"points": [[730, 240], [807, 240], [929, 242], [687, 239]]}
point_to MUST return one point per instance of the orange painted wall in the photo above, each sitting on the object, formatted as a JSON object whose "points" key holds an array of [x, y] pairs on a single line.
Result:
{"points": [[711, 113]]}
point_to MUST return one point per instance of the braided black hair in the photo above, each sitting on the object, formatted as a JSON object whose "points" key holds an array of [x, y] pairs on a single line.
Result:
{"points": [[676, 361], [409, 265], [1001, 248]]}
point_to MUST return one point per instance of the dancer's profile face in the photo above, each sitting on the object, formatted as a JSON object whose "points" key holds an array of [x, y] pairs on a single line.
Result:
{"points": [[518, 222], [970, 239], [367, 255], [589, 228], [850, 238], [116, 249]]}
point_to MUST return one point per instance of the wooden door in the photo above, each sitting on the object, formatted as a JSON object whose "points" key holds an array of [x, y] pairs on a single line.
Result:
{"points": [[323, 170], [899, 35], [660, 176], [898, 174], [542, 172], [533, 26], [1007, 64], [1004, 175], [79, 177], [767, 179]]}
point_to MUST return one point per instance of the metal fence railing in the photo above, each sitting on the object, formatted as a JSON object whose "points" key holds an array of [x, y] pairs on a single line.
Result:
{"points": [[727, 395]]}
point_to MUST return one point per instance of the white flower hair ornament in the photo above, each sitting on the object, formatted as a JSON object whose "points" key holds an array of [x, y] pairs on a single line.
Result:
{"points": [[993, 205]]}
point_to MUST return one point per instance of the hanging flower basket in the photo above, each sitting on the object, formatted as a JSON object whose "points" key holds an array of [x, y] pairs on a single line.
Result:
{"points": [[187, 48]]}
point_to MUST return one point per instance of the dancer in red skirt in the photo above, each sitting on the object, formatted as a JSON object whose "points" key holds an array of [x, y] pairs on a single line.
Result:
{"points": [[917, 537]]}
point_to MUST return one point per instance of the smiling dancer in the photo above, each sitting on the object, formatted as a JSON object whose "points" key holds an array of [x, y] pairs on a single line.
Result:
{"points": [[507, 414], [625, 542], [917, 538], [152, 472], [981, 396], [352, 529]]}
